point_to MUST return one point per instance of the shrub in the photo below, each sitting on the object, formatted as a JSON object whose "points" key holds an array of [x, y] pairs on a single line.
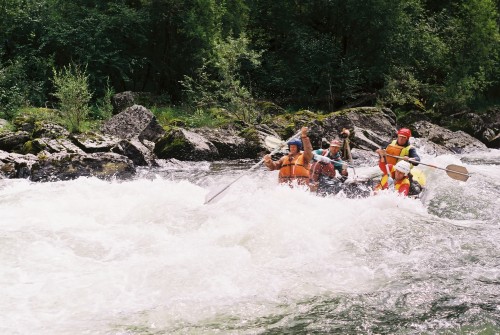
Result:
{"points": [[72, 90]]}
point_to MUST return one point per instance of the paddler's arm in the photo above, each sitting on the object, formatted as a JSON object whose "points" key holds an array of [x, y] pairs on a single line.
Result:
{"points": [[306, 142], [270, 164]]}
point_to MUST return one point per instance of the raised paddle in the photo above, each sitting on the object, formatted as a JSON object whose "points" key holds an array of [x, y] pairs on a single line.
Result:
{"points": [[456, 172], [212, 195], [390, 181], [346, 133]]}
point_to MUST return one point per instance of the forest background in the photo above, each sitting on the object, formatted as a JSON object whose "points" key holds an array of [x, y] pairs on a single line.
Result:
{"points": [[207, 62]]}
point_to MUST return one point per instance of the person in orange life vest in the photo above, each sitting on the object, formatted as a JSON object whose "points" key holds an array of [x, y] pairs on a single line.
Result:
{"points": [[323, 171], [399, 174], [295, 165], [401, 147]]}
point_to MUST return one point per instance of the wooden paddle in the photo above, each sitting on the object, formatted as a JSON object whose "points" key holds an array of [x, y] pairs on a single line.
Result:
{"points": [[214, 194], [456, 172]]}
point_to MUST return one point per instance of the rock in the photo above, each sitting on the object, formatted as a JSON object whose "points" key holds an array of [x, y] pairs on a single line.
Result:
{"points": [[60, 145], [370, 127], [135, 121], [13, 141], [49, 130], [13, 165], [139, 153], [121, 101], [185, 145], [457, 142], [63, 166], [94, 142]]}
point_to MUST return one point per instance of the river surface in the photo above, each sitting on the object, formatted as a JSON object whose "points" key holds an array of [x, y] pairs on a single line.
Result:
{"points": [[147, 256]]}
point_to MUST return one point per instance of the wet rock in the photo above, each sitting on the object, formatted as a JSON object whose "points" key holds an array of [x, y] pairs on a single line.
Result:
{"points": [[13, 141], [135, 121], [457, 142], [185, 145], [63, 166]]}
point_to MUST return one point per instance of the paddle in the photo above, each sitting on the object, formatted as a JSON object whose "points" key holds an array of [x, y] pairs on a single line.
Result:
{"points": [[456, 172], [348, 148], [324, 159], [211, 197], [390, 181]]}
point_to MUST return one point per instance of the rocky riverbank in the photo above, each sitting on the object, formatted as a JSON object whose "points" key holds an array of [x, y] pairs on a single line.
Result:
{"points": [[133, 137]]}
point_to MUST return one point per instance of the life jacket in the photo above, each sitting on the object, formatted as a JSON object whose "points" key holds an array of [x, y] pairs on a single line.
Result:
{"points": [[294, 169], [322, 169], [397, 184], [396, 150]]}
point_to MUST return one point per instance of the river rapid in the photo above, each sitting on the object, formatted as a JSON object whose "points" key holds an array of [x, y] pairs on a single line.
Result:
{"points": [[147, 256]]}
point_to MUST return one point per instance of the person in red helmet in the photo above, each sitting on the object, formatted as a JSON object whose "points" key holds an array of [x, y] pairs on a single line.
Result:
{"points": [[400, 147], [296, 165]]}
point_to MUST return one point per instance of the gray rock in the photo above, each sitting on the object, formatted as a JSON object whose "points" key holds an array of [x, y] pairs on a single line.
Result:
{"points": [[13, 141], [93, 142], [185, 145], [457, 142], [121, 101], [135, 121], [63, 166]]}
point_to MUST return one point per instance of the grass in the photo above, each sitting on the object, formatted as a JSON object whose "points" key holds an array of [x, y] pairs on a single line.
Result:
{"points": [[185, 117]]}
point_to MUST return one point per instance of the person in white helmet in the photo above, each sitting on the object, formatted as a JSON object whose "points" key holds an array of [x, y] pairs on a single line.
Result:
{"points": [[398, 179]]}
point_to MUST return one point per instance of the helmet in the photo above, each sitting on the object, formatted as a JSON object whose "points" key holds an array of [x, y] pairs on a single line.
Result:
{"points": [[335, 143], [405, 132], [403, 166], [295, 141]]}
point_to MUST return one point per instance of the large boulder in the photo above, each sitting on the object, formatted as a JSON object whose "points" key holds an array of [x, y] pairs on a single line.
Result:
{"points": [[457, 142], [63, 166], [135, 121], [370, 127], [13, 165], [13, 141], [185, 145]]}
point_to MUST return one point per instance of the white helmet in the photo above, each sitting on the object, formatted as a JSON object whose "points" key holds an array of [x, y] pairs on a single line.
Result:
{"points": [[403, 166]]}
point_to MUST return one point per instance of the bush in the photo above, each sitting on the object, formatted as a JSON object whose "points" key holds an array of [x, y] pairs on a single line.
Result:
{"points": [[72, 90]]}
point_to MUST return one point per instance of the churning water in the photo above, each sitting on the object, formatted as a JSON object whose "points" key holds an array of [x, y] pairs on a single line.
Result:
{"points": [[147, 256]]}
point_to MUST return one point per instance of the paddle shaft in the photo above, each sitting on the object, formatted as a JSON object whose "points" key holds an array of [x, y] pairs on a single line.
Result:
{"points": [[246, 172], [433, 166], [348, 149]]}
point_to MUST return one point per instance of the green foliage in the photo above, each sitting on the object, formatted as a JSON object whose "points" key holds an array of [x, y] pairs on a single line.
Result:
{"points": [[74, 96], [443, 55], [219, 81], [182, 117], [12, 93], [103, 109]]}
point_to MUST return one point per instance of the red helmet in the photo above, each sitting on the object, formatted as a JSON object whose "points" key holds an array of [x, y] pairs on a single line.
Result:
{"points": [[405, 132]]}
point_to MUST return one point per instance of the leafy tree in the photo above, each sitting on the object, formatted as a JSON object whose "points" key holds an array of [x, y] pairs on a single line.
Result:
{"points": [[218, 82], [74, 96]]}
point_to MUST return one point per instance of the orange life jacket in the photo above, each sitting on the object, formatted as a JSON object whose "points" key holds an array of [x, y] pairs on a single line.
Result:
{"points": [[396, 150], [294, 169]]}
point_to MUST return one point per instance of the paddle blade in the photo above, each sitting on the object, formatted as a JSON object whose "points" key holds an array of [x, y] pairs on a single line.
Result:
{"points": [[457, 172], [273, 142], [215, 193]]}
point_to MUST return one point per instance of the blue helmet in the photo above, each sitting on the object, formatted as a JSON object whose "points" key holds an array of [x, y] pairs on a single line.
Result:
{"points": [[295, 141]]}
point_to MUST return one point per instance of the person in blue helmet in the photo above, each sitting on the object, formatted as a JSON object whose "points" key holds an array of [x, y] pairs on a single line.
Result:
{"points": [[295, 166]]}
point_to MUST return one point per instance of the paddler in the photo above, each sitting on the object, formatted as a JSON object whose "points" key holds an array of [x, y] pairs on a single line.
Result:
{"points": [[398, 179], [401, 147], [323, 172], [295, 166]]}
